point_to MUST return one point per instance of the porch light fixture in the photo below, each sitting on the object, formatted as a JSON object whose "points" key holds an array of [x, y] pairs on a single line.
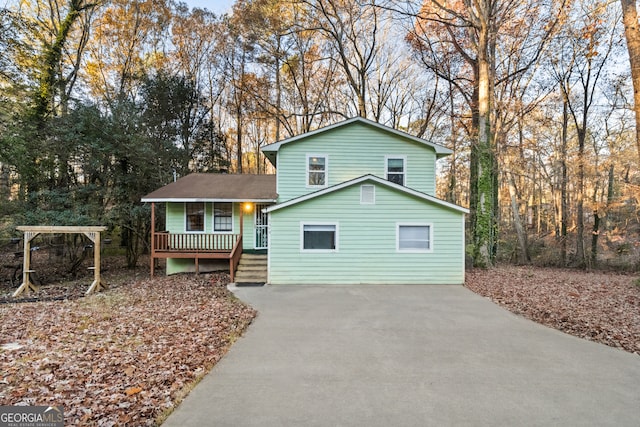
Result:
{"points": [[248, 207]]}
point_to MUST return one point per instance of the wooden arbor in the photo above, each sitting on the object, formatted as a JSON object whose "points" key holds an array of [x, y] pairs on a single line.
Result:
{"points": [[31, 231]]}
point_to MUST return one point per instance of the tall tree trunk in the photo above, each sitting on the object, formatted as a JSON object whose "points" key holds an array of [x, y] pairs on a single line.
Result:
{"points": [[451, 187], [50, 73], [239, 138], [594, 239], [564, 203], [485, 226], [517, 222], [580, 254], [5, 189], [278, 90], [632, 35]]}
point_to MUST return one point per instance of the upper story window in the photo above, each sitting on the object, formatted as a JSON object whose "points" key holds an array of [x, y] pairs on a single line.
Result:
{"points": [[194, 214], [367, 195], [317, 170], [395, 169], [222, 217]]}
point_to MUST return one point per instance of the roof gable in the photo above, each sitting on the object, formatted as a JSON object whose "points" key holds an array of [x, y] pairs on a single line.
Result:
{"points": [[271, 150], [203, 187], [371, 178]]}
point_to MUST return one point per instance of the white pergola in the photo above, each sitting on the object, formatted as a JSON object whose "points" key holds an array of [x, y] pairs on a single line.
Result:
{"points": [[31, 231]]}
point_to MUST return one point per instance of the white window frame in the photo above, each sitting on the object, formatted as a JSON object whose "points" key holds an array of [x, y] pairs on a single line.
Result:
{"points": [[414, 224], [373, 194], [326, 170], [404, 167], [213, 219], [204, 219], [326, 223]]}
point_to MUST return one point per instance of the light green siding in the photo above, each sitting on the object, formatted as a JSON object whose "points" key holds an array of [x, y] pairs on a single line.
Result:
{"points": [[366, 241], [176, 223], [353, 151]]}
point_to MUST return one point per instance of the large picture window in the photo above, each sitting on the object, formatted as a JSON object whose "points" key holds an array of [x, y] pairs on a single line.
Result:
{"points": [[194, 213], [319, 237], [396, 169], [316, 171], [222, 217], [414, 238]]}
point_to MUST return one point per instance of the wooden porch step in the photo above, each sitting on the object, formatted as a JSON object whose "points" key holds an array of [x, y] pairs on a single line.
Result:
{"points": [[252, 268], [250, 259], [249, 267], [258, 262]]}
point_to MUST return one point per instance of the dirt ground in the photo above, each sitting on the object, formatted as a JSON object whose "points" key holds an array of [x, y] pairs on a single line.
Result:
{"points": [[601, 307], [125, 356], [128, 355]]}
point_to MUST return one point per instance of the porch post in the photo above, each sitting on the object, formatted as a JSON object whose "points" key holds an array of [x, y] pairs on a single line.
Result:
{"points": [[153, 240], [241, 218]]}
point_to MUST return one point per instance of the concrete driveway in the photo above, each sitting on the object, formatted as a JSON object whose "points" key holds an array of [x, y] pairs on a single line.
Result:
{"points": [[407, 356]]}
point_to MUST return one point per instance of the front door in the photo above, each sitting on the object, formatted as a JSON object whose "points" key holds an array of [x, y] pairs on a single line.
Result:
{"points": [[262, 226]]}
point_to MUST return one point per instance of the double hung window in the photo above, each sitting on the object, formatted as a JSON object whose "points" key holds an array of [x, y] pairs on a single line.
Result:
{"points": [[222, 217], [316, 171], [194, 214], [396, 169]]}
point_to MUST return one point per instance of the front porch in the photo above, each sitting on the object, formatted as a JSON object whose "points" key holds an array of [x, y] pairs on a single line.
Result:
{"points": [[197, 246], [210, 217]]}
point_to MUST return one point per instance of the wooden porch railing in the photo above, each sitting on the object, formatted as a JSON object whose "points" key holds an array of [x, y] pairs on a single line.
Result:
{"points": [[197, 246], [178, 242]]}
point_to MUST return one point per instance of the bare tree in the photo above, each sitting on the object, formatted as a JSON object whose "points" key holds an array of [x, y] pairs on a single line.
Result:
{"points": [[632, 35], [351, 28], [475, 35]]}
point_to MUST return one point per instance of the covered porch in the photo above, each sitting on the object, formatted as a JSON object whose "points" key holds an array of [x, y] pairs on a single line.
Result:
{"points": [[166, 245], [210, 217]]}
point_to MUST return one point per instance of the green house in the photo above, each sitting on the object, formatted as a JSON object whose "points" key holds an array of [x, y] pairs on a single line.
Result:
{"points": [[350, 203]]}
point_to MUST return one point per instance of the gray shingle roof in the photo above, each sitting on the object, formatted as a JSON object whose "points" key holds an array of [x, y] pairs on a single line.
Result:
{"points": [[220, 187]]}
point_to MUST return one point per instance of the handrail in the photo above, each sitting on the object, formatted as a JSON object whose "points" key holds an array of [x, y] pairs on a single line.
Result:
{"points": [[234, 257], [187, 242], [198, 245]]}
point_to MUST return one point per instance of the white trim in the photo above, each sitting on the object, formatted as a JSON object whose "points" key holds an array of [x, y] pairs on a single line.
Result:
{"points": [[439, 149], [255, 227], [315, 251], [414, 224], [204, 219], [277, 175], [404, 166], [269, 250], [464, 252], [372, 178], [326, 170], [205, 200], [213, 219], [373, 194]]}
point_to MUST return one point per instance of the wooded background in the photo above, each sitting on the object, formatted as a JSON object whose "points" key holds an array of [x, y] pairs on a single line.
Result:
{"points": [[104, 101]]}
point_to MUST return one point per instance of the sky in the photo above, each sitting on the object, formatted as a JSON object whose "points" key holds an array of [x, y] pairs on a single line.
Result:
{"points": [[216, 6]]}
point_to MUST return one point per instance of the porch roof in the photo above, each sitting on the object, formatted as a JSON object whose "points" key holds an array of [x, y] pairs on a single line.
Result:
{"points": [[206, 187]]}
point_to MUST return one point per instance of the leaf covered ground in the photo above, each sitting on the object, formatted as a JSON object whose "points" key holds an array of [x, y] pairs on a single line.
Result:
{"points": [[601, 307], [125, 356]]}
